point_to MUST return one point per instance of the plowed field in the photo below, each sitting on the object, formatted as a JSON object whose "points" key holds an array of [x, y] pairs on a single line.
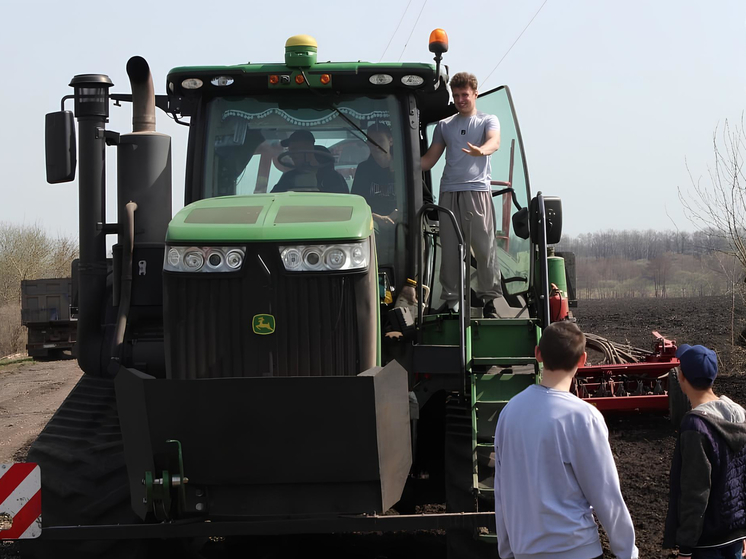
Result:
{"points": [[642, 444]]}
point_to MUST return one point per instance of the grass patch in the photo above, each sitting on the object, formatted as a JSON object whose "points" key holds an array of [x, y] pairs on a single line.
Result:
{"points": [[4, 362]]}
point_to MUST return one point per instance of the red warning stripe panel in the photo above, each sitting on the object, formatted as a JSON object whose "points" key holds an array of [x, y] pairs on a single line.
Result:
{"points": [[24, 518], [13, 478], [20, 497]]}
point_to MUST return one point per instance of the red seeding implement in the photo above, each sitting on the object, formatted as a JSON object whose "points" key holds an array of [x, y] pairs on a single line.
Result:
{"points": [[631, 379]]}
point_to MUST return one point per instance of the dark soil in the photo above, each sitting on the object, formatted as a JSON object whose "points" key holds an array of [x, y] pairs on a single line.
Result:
{"points": [[643, 445]]}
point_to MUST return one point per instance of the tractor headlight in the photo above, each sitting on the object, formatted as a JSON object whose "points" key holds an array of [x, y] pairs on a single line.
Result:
{"points": [[335, 258], [292, 259], [234, 259], [194, 260], [204, 259], [326, 258]]}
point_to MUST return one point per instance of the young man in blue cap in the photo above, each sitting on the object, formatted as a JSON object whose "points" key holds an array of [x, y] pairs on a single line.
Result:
{"points": [[707, 503]]}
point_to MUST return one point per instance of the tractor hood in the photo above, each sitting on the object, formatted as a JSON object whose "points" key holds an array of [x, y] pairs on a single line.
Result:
{"points": [[289, 216]]}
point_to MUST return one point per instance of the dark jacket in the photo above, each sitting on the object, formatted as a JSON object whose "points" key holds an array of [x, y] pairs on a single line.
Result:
{"points": [[376, 184], [707, 501], [320, 179]]}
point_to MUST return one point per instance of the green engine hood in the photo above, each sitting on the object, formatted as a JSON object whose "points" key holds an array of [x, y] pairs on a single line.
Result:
{"points": [[290, 216]]}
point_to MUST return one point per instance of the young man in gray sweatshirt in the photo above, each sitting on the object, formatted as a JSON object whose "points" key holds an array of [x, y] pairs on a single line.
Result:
{"points": [[554, 467], [707, 503]]}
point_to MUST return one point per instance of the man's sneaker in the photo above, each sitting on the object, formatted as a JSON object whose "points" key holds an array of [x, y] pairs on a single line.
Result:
{"points": [[448, 307], [489, 310]]}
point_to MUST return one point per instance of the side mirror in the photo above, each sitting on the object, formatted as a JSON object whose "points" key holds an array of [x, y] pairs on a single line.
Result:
{"points": [[553, 211], [520, 223], [60, 147]]}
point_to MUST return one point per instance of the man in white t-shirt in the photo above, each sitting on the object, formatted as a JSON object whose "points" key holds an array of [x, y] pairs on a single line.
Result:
{"points": [[468, 139]]}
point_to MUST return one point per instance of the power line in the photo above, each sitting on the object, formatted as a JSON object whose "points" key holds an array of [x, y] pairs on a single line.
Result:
{"points": [[413, 27], [514, 42], [395, 30]]}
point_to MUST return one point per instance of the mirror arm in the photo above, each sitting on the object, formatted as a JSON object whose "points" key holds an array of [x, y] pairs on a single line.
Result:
{"points": [[65, 98]]}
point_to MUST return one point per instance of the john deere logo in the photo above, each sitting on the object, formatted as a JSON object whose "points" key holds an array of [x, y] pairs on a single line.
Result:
{"points": [[263, 324]]}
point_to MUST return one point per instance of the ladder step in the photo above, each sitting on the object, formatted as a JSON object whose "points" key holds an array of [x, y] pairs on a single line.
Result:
{"points": [[504, 360], [488, 538], [436, 359]]}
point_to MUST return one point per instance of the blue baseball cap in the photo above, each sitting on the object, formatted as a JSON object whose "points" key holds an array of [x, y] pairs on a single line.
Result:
{"points": [[698, 364]]}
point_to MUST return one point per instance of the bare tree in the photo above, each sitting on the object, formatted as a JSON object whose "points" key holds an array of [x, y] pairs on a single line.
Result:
{"points": [[658, 270], [27, 252], [718, 206]]}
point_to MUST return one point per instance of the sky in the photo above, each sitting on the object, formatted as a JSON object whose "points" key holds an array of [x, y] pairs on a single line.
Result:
{"points": [[617, 102]]}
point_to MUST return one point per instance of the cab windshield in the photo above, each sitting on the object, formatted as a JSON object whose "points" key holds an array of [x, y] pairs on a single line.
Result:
{"points": [[258, 145]]}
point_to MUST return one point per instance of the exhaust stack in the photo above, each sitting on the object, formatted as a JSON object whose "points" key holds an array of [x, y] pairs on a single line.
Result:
{"points": [[144, 164], [92, 112], [144, 183], [143, 95]]}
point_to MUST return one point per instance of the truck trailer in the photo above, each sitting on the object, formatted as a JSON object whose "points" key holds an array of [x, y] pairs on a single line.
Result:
{"points": [[48, 313]]}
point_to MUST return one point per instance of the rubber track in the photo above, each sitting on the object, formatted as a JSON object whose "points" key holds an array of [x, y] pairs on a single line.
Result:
{"points": [[459, 495], [84, 477]]}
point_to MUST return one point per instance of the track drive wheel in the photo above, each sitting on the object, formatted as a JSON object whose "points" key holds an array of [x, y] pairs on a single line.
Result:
{"points": [[460, 497], [84, 477], [678, 403]]}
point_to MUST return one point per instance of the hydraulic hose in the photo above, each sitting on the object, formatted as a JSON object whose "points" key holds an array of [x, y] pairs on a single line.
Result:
{"points": [[614, 353], [128, 231]]}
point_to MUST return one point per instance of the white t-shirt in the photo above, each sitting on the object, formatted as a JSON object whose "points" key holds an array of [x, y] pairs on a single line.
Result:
{"points": [[464, 171]]}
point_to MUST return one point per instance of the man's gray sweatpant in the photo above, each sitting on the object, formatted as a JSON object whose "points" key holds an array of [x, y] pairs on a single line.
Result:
{"points": [[474, 212]]}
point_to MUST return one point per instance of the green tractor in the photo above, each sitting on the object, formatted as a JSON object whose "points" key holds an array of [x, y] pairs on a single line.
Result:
{"points": [[247, 369]]}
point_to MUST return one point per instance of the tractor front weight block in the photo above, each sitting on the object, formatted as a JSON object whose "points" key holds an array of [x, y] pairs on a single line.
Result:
{"points": [[261, 447]]}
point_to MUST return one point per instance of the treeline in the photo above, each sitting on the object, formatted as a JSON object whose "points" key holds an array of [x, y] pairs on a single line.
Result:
{"points": [[26, 252], [643, 245], [612, 264]]}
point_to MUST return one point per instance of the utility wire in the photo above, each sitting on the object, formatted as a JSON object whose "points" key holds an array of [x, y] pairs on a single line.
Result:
{"points": [[413, 28], [514, 42], [395, 30]]}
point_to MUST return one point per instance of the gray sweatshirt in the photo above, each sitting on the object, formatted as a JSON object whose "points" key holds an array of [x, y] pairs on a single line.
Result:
{"points": [[553, 469]]}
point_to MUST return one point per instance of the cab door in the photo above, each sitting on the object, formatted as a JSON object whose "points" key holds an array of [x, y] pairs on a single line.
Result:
{"points": [[509, 171]]}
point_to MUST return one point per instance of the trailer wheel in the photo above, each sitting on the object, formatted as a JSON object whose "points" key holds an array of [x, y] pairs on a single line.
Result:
{"points": [[84, 477], [460, 497], [678, 403]]}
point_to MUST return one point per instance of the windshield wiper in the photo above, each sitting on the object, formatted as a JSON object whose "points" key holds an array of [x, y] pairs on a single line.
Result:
{"points": [[340, 113]]}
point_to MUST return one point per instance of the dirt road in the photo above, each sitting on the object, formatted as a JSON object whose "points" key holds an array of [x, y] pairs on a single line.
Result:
{"points": [[30, 393]]}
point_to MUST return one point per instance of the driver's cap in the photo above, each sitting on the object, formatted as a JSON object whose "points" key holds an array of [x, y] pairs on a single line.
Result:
{"points": [[298, 136]]}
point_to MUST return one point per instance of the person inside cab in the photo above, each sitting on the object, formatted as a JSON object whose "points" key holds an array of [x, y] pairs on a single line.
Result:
{"points": [[374, 177], [311, 167], [374, 181]]}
